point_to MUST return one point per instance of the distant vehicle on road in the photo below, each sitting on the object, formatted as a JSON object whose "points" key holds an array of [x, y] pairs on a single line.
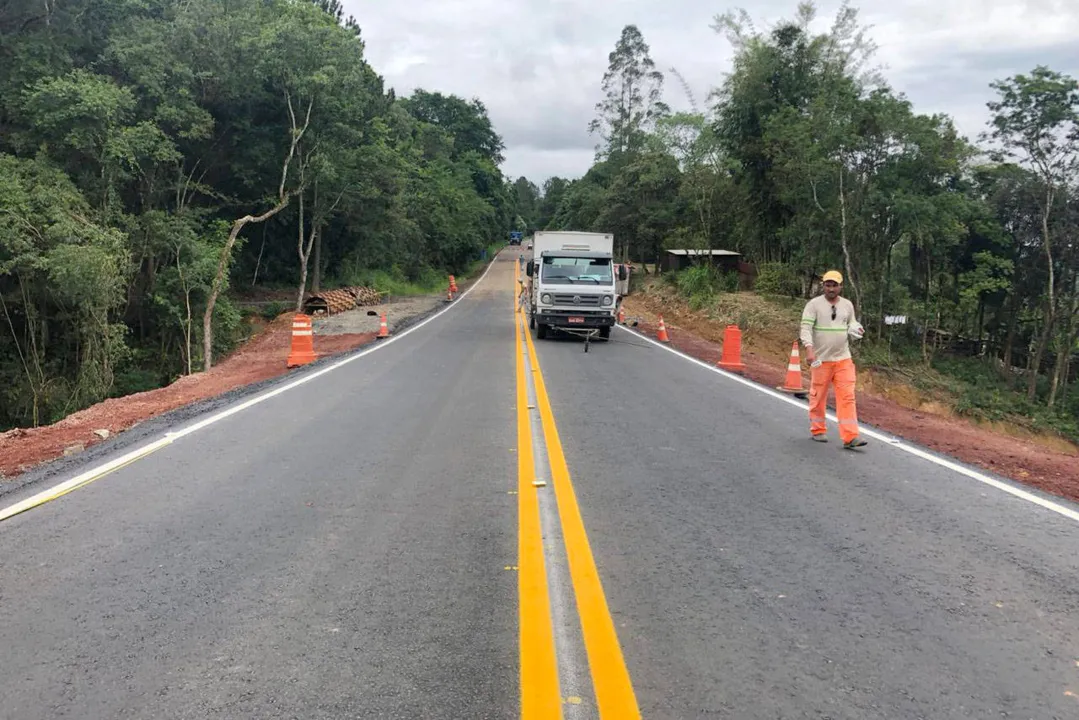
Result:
{"points": [[571, 283], [515, 237]]}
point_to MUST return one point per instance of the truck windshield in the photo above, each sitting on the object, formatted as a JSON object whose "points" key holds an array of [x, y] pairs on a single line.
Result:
{"points": [[570, 270]]}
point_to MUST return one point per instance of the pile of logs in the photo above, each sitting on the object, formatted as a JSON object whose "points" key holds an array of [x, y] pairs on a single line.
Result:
{"points": [[332, 302]]}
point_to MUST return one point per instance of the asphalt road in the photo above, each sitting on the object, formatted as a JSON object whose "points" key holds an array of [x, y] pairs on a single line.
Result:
{"points": [[350, 548]]}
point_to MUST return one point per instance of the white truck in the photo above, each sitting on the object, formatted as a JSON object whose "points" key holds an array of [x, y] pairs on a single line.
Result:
{"points": [[572, 283]]}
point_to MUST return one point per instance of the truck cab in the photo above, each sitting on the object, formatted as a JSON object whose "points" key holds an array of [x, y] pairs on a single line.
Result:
{"points": [[572, 283]]}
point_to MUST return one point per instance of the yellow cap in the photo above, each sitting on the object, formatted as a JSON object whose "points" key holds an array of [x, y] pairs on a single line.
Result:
{"points": [[834, 276]]}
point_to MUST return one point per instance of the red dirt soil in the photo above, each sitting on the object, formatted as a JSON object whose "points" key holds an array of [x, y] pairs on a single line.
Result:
{"points": [[1024, 460], [262, 358]]}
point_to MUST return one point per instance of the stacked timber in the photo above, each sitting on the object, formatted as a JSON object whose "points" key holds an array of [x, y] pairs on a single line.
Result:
{"points": [[332, 302]]}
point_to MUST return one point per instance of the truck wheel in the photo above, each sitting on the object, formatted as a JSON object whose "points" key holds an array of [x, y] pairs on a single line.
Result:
{"points": [[541, 331], [605, 333]]}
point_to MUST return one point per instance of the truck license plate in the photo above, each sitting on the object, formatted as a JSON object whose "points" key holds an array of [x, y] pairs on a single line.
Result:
{"points": [[576, 319]]}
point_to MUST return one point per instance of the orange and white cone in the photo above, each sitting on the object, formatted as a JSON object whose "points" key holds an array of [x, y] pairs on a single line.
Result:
{"points": [[621, 316], [662, 334], [793, 384], [383, 329]]}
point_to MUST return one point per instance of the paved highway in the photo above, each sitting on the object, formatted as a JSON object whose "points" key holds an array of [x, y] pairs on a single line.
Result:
{"points": [[371, 544]]}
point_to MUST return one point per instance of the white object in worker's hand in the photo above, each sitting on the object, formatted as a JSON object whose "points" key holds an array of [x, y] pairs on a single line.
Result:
{"points": [[856, 331], [816, 363]]}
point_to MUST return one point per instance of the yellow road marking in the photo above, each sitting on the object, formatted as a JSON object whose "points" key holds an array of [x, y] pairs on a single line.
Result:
{"points": [[540, 695], [610, 677]]}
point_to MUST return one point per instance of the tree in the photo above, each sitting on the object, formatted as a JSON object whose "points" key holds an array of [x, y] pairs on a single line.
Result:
{"points": [[633, 88], [1036, 121], [554, 189], [171, 130], [526, 201]]}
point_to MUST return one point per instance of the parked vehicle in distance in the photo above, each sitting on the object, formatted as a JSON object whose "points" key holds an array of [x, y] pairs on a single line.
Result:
{"points": [[572, 282]]}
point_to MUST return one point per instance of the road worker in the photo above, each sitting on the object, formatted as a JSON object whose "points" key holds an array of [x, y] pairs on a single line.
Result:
{"points": [[827, 324]]}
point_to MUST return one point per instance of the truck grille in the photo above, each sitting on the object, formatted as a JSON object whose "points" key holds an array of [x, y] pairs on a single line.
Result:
{"points": [[581, 300]]}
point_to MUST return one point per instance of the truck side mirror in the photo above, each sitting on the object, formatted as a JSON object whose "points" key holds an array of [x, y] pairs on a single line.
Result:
{"points": [[530, 268], [621, 272]]}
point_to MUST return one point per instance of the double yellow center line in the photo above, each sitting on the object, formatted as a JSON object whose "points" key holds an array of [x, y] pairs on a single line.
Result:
{"points": [[540, 696]]}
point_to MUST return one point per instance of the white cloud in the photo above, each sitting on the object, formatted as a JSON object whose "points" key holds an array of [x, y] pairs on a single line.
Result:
{"points": [[537, 64]]}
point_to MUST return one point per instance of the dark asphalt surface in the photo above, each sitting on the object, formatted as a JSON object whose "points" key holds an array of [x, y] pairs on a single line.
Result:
{"points": [[339, 551], [755, 574], [336, 551]]}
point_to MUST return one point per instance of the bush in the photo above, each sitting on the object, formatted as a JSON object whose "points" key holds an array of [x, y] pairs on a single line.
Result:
{"points": [[699, 280], [778, 279], [275, 307]]}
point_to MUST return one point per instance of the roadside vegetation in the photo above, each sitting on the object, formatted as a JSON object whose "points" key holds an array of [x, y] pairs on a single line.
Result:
{"points": [[160, 161], [804, 158]]}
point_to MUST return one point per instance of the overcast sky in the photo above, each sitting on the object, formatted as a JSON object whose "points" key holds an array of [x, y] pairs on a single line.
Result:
{"points": [[538, 64]]}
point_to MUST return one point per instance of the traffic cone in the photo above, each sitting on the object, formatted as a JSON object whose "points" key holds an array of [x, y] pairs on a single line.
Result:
{"points": [[383, 330], [793, 383], [662, 334], [449, 296], [303, 348], [621, 316], [453, 285], [732, 350]]}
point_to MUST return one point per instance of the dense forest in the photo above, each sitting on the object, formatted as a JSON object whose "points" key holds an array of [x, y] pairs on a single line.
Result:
{"points": [[157, 156], [805, 158]]}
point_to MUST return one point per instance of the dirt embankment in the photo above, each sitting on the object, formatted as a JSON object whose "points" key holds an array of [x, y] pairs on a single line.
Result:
{"points": [[1045, 462], [261, 358]]}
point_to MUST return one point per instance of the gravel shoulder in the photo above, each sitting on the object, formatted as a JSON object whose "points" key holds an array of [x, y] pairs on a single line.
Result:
{"points": [[399, 312]]}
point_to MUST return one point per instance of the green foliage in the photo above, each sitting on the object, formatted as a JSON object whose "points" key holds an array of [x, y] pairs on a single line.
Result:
{"points": [[137, 133], [395, 282], [60, 275], [698, 281], [777, 279], [701, 284], [633, 88]]}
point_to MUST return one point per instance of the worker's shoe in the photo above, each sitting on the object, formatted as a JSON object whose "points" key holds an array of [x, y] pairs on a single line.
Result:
{"points": [[819, 437], [855, 442]]}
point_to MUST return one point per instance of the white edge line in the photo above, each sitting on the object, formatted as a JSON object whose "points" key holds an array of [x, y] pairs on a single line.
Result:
{"points": [[891, 441], [90, 474], [174, 435]]}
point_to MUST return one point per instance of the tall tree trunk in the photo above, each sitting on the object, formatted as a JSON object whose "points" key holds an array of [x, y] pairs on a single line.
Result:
{"points": [[1060, 369], [226, 252], [925, 329], [219, 279], [1039, 352], [843, 240], [258, 262], [316, 281], [187, 323], [1009, 340], [885, 287], [303, 249], [1050, 303]]}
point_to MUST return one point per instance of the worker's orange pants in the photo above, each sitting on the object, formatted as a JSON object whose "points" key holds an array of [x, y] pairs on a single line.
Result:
{"points": [[842, 374]]}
